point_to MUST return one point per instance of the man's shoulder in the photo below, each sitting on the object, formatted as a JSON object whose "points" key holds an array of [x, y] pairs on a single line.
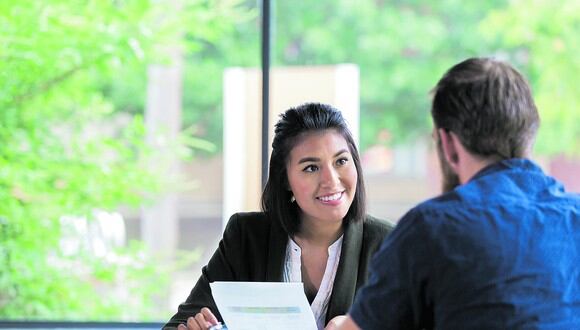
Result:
{"points": [[432, 215], [431, 208]]}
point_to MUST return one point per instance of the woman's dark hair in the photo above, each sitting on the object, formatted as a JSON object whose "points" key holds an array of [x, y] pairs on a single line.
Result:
{"points": [[489, 106], [293, 124]]}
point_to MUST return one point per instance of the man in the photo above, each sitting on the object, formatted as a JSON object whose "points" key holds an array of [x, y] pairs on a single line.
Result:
{"points": [[500, 249]]}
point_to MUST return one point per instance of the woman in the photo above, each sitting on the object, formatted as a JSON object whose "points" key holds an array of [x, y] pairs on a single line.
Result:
{"points": [[313, 228]]}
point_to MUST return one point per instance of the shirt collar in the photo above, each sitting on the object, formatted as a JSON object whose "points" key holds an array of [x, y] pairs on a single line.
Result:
{"points": [[512, 163]]}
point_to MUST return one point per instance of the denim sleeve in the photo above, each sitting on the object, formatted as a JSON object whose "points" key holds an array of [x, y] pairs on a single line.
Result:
{"points": [[394, 296]]}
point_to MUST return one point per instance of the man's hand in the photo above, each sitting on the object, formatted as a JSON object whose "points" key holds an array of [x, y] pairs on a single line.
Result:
{"points": [[341, 322], [202, 321]]}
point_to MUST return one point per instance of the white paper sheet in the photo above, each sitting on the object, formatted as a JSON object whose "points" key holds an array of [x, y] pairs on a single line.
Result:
{"points": [[263, 305]]}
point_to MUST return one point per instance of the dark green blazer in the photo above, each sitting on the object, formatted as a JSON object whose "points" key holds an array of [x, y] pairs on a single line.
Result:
{"points": [[253, 248]]}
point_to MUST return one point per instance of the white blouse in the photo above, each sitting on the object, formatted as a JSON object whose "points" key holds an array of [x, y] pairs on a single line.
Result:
{"points": [[293, 273]]}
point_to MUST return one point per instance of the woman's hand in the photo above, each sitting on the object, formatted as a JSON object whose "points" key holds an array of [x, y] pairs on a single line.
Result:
{"points": [[342, 322], [202, 321], [335, 322]]}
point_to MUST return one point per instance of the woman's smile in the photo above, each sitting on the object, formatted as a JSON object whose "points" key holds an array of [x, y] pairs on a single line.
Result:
{"points": [[333, 199]]}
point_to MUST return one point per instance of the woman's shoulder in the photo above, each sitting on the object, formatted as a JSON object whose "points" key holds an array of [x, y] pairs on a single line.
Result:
{"points": [[374, 232], [248, 221], [380, 227], [249, 217]]}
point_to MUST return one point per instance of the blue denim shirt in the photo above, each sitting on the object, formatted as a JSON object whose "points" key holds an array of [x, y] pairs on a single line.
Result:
{"points": [[499, 252]]}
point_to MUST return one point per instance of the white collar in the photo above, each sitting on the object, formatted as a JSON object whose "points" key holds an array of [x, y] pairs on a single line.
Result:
{"points": [[293, 273]]}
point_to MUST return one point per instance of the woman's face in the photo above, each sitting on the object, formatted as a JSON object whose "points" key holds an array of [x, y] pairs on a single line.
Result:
{"points": [[322, 176]]}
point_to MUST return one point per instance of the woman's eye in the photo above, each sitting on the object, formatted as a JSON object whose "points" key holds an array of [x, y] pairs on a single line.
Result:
{"points": [[342, 161], [310, 168]]}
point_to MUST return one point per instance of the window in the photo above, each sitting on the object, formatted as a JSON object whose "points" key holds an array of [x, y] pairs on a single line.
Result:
{"points": [[112, 126]]}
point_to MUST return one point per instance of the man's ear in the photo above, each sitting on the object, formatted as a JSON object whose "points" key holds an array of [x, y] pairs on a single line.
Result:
{"points": [[450, 144]]}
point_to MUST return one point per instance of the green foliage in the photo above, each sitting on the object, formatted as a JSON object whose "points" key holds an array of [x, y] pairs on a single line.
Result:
{"points": [[402, 49], [55, 157], [546, 48], [214, 34], [71, 143]]}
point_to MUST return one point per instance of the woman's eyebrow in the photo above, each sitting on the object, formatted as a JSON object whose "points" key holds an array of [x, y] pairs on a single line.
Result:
{"points": [[340, 152], [315, 159], [308, 159]]}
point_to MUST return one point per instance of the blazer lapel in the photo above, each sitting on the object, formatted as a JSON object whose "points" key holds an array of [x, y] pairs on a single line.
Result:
{"points": [[346, 277], [276, 251]]}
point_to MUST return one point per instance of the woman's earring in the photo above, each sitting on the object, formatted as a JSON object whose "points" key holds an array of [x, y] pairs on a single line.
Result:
{"points": [[292, 199]]}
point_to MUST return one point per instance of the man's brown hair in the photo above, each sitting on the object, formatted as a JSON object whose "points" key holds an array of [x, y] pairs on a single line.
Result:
{"points": [[489, 106]]}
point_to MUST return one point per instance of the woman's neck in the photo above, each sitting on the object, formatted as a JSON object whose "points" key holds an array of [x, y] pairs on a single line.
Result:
{"points": [[317, 234]]}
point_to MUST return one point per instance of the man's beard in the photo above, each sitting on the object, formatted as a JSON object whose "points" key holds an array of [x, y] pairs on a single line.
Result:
{"points": [[449, 180]]}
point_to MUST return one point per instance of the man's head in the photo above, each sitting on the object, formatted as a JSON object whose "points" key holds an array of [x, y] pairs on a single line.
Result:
{"points": [[488, 106]]}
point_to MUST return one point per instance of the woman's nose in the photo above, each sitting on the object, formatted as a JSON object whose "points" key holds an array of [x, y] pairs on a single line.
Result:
{"points": [[329, 176]]}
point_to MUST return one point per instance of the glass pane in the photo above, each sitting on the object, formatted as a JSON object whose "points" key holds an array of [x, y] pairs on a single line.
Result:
{"points": [[401, 49], [114, 118], [111, 152]]}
